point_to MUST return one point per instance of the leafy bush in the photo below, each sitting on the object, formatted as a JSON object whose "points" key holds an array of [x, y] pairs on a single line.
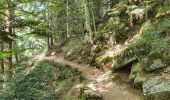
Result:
{"points": [[152, 39], [39, 83]]}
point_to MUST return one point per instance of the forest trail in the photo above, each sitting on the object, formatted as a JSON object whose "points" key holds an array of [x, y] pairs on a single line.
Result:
{"points": [[101, 80]]}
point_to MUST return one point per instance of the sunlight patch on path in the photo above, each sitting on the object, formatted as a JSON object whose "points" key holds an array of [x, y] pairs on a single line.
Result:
{"points": [[98, 80]]}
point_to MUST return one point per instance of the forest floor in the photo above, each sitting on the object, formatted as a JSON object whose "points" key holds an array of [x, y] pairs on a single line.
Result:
{"points": [[108, 85]]}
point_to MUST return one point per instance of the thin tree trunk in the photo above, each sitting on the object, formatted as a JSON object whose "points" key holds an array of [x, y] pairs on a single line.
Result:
{"points": [[49, 23], [98, 8], [48, 34], [67, 10], [15, 46], [146, 12], [96, 12], [2, 60], [8, 65], [87, 17], [48, 42], [8, 29], [16, 55], [17, 58], [94, 24], [2, 66]]}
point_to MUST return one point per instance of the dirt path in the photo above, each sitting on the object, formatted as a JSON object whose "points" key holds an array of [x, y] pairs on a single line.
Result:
{"points": [[102, 81], [110, 90]]}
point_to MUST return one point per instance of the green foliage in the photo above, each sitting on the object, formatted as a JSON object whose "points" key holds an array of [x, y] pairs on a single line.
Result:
{"points": [[34, 82], [34, 20], [76, 44], [7, 94], [163, 9], [39, 84], [117, 19], [153, 39], [154, 7], [114, 24], [3, 54], [14, 51], [158, 30]]}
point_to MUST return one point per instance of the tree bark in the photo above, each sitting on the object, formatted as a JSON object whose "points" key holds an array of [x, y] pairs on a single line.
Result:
{"points": [[16, 55], [8, 60], [67, 11], [49, 21], [93, 18], [2, 60], [88, 22]]}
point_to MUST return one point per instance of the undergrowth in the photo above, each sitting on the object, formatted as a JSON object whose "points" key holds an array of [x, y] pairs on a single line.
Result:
{"points": [[46, 82]]}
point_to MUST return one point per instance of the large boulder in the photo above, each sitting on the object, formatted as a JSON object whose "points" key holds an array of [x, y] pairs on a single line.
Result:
{"points": [[135, 70], [110, 54], [123, 58], [157, 88], [90, 92], [138, 74], [128, 52]]}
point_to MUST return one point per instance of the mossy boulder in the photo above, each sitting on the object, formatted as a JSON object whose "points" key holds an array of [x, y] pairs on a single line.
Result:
{"points": [[138, 74], [150, 46], [124, 57], [105, 58], [141, 77], [157, 88], [89, 92], [102, 59], [136, 68]]}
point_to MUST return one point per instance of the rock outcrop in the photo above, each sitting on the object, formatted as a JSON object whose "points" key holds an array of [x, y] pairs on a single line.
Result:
{"points": [[157, 88]]}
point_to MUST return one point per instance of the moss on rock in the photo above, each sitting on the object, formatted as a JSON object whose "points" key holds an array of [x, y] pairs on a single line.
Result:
{"points": [[148, 47], [138, 74], [156, 88], [89, 92]]}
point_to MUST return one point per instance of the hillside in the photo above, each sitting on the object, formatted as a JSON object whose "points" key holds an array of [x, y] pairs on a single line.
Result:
{"points": [[85, 50]]}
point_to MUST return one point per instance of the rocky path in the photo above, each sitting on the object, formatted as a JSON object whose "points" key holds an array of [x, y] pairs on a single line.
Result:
{"points": [[97, 80], [101, 81]]}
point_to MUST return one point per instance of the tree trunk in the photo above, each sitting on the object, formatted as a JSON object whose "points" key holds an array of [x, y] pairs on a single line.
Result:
{"points": [[49, 21], [16, 58], [93, 18], [67, 11], [8, 60], [16, 55], [88, 22], [49, 41], [146, 11], [2, 60], [98, 8], [7, 66]]}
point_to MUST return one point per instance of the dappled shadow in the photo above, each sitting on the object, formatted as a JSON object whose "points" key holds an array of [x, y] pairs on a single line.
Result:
{"points": [[102, 80]]}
